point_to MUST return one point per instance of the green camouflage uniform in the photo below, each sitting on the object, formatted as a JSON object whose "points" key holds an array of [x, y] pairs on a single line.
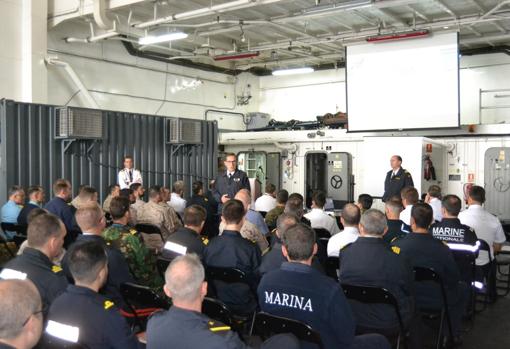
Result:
{"points": [[141, 261]]}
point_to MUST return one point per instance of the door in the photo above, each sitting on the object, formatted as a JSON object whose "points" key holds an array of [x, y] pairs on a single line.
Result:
{"points": [[273, 169], [339, 179], [497, 182]]}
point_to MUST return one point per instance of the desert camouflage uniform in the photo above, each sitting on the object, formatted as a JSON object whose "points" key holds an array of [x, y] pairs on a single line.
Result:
{"points": [[250, 232]]}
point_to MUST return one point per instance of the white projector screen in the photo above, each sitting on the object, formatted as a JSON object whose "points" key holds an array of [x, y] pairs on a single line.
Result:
{"points": [[406, 84]]}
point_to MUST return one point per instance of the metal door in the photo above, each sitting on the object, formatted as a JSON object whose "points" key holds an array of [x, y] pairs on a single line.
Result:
{"points": [[340, 178], [497, 182], [273, 169]]}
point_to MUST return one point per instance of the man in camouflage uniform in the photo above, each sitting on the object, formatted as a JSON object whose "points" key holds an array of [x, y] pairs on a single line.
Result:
{"points": [[141, 261], [272, 216]]}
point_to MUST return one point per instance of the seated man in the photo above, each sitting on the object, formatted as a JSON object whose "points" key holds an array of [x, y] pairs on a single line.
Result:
{"points": [[318, 217], [36, 199], [295, 206], [188, 237], [128, 241], [231, 250], [12, 208], [138, 192], [96, 318], [184, 325], [422, 250], [86, 196], [113, 192], [176, 198], [350, 220], [365, 202], [299, 292], [266, 202], [45, 237], [433, 198], [396, 228], [272, 215], [199, 198], [252, 216], [22, 320], [378, 267], [409, 197]]}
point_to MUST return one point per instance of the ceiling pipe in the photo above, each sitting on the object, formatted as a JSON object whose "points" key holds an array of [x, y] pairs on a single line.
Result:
{"points": [[100, 16]]}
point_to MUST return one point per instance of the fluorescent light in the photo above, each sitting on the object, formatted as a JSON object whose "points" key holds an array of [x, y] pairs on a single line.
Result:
{"points": [[148, 40], [304, 70]]}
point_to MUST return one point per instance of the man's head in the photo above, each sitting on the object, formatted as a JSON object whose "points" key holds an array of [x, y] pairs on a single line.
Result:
{"points": [[165, 193], [244, 196], [62, 189], [451, 206], [36, 194], [185, 282], [318, 199], [476, 195], [395, 162], [87, 194], [299, 243], [294, 205], [365, 202], [114, 190], [155, 194], [197, 188], [434, 191], [233, 213], [421, 217], [270, 189], [17, 194], [409, 196], [351, 215], [138, 190], [34, 213], [284, 222], [178, 188], [88, 263], [128, 162], [127, 193], [393, 208], [373, 223], [46, 233], [22, 319], [194, 217], [119, 209], [90, 218], [230, 162], [282, 196]]}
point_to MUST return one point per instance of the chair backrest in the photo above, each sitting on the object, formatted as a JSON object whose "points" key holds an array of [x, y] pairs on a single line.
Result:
{"points": [[137, 296], [19, 229], [332, 266], [148, 229], [263, 213], [484, 246], [50, 342], [265, 325], [162, 265], [321, 233], [228, 275], [217, 310]]}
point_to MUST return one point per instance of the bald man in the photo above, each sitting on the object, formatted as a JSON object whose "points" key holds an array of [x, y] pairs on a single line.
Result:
{"points": [[396, 179]]}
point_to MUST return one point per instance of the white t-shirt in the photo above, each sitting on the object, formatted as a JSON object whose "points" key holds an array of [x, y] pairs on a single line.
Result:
{"points": [[405, 216], [435, 203], [177, 203], [487, 227], [265, 203], [320, 219], [338, 241]]}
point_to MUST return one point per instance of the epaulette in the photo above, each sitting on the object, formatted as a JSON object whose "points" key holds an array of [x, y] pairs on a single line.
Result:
{"points": [[395, 249], [206, 199], [133, 231], [108, 304], [345, 246], [205, 240], [217, 326], [56, 269]]}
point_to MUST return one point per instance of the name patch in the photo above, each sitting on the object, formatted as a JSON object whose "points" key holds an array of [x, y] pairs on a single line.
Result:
{"points": [[288, 300]]}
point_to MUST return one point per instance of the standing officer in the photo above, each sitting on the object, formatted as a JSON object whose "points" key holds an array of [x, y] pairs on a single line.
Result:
{"points": [[396, 179], [230, 182], [128, 175]]}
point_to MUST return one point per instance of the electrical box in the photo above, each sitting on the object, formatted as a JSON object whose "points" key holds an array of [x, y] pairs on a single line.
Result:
{"points": [[184, 131], [78, 123], [257, 120], [497, 181]]}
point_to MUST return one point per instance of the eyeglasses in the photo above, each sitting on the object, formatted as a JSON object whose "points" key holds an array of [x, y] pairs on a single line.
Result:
{"points": [[33, 314]]}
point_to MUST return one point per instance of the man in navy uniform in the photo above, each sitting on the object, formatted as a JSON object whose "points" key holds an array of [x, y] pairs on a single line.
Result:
{"points": [[231, 250], [396, 179], [96, 320], [45, 236], [184, 325], [198, 197], [396, 227], [228, 183], [299, 292], [459, 237], [422, 250]]}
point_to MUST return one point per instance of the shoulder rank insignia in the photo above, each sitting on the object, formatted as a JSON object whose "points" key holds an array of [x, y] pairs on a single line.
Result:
{"points": [[132, 231], [205, 240], [108, 304], [206, 199], [56, 269], [395, 249], [217, 327]]}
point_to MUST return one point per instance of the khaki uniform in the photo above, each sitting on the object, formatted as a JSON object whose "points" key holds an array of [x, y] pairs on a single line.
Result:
{"points": [[161, 216], [106, 204], [249, 231]]}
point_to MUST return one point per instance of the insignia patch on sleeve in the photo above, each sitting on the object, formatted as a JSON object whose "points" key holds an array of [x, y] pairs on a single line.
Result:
{"points": [[108, 304], [395, 249], [56, 269]]}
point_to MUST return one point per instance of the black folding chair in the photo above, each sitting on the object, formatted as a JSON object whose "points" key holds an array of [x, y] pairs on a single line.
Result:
{"points": [[217, 310], [266, 325], [321, 233], [332, 267], [162, 265], [20, 230], [377, 295], [428, 274], [503, 261], [263, 213], [149, 229], [487, 289], [465, 258], [4, 243]]}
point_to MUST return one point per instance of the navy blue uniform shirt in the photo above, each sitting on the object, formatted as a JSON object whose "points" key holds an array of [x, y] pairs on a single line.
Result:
{"points": [[100, 324], [189, 238], [394, 184], [23, 215], [297, 291], [396, 230], [230, 186], [65, 212]]}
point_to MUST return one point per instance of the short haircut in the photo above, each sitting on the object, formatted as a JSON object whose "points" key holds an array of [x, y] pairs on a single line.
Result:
{"points": [[194, 215], [284, 222], [435, 191], [42, 228], [295, 206], [34, 189], [228, 155], [452, 204], [178, 187], [86, 259], [299, 241], [127, 157], [399, 158], [87, 193], [112, 187], [374, 222], [119, 206], [34, 213], [282, 196], [14, 189], [319, 197], [410, 194], [60, 185], [270, 188], [135, 186], [154, 191], [126, 192], [366, 201], [89, 216], [477, 194], [196, 187], [184, 277], [422, 214], [394, 205], [233, 211], [296, 196], [19, 299], [351, 214]]}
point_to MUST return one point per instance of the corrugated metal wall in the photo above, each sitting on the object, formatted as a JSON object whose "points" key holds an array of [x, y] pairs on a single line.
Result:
{"points": [[30, 154]]}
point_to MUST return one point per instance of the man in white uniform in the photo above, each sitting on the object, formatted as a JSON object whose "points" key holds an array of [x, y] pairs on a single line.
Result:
{"points": [[433, 198], [266, 202], [351, 216], [319, 218], [128, 175]]}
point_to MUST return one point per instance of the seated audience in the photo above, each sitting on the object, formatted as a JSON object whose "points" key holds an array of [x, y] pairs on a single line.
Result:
{"points": [[350, 220], [409, 197], [113, 192], [365, 202], [129, 194], [198, 198], [252, 216], [396, 228], [165, 202], [231, 250], [176, 200], [433, 198], [86, 196], [45, 237], [96, 317], [34, 213], [266, 202], [295, 206], [12, 208], [281, 199], [138, 192], [36, 199], [21, 322], [319, 218], [184, 325]]}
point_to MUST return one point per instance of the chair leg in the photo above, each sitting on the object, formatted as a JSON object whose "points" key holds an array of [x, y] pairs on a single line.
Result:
{"points": [[398, 341], [440, 332]]}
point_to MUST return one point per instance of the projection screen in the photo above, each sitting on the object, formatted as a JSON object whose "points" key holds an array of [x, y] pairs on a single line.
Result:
{"points": [[405, 84]]}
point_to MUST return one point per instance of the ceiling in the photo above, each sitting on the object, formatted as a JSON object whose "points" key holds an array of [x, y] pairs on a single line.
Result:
{"points": [[284, 33]]}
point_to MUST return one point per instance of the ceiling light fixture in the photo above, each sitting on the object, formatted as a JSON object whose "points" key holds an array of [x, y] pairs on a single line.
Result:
{"points": [[293, 71], [150, 39]]}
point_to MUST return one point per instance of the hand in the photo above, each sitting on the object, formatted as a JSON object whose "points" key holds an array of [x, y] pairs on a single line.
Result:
{"points": [[225, 198]]}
